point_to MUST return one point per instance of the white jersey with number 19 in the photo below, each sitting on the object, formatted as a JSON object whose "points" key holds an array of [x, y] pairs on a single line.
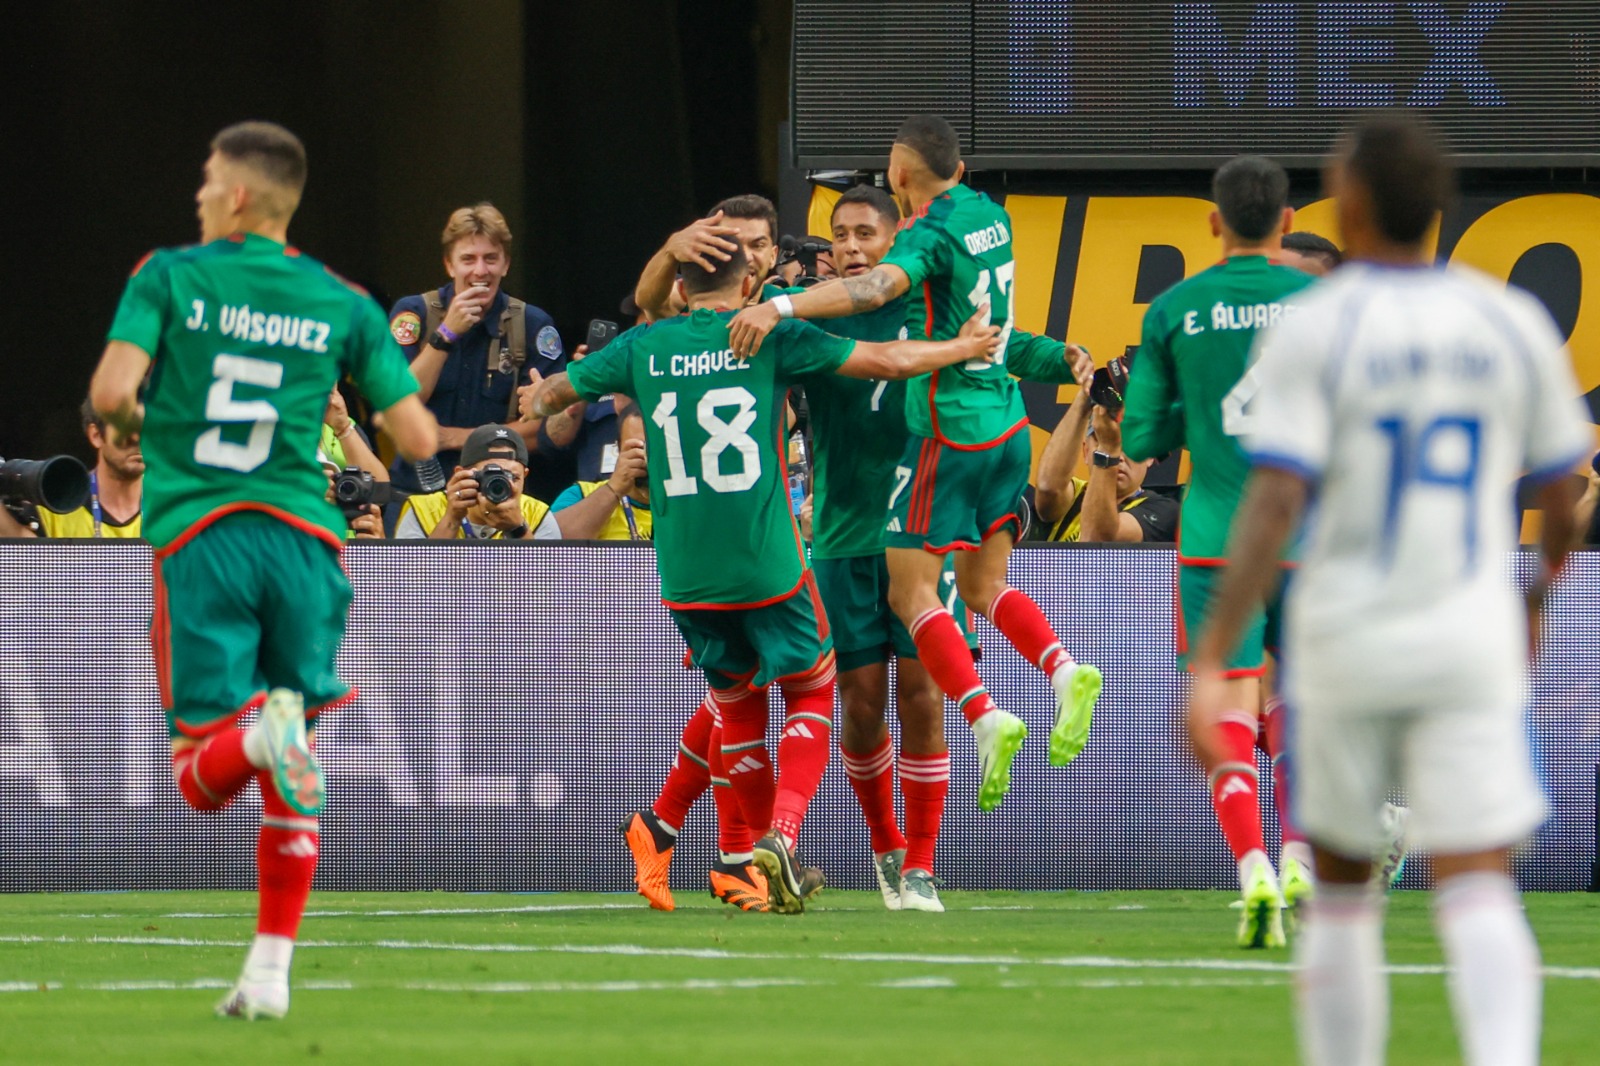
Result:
{"points": [[1412, 399]]}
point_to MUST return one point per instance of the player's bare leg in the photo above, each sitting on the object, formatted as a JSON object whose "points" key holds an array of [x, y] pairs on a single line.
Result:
{"points": [[924, 780], [943, 652], [869, 764]]}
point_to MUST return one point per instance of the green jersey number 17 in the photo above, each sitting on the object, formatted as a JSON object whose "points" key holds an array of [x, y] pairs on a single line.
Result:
{"points": [[1004, 276]]}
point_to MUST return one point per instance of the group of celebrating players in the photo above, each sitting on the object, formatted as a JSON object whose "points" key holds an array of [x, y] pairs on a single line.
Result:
{"points": [[921, 459]]}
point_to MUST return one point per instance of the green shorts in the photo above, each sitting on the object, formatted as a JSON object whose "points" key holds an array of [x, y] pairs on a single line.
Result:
{"points": [[757, 645], [946, 498], [249, 604], [1197, 586], [855, 593]]}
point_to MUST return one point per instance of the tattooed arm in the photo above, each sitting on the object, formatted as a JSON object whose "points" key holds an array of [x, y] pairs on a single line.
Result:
{"points": [[832, 299]]}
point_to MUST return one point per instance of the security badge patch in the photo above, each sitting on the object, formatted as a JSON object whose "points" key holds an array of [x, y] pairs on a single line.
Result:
{"points": [[548, 342], [406, 327]]}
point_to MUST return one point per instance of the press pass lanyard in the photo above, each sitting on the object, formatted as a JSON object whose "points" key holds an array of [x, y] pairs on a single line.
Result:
{"points": [[94, 499], [633, 524]]}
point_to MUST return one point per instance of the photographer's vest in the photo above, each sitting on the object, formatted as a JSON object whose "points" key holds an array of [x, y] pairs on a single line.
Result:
{"points": [[513, 337], [429, 509]]}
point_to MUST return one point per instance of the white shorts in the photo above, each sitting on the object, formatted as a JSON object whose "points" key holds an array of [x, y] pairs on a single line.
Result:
{"points": [[1465, 772]]}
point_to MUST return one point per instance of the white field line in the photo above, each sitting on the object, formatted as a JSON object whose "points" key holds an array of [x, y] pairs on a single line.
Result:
{"points": [[1093, 962], [537, 908]]}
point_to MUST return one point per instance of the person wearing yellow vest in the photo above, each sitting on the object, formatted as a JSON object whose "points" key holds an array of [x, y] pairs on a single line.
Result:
{"points": [[619, 507], [461, 512], [116, 488]]}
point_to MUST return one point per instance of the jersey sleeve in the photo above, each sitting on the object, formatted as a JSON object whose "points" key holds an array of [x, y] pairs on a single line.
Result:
{"points": [[1287, 420], [1559, 433], [406, 323], [805, 349], [1034, 358], [375, 361], [1152, 422], [608, 370], [141, 314], [918, 250]]}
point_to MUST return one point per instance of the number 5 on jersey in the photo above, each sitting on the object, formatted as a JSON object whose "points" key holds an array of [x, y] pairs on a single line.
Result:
{"points": [[229, 371]]}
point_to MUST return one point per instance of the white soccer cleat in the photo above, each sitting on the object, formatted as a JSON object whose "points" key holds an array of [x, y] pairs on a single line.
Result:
{"points": [[887, 869], [919, 891], [294, 767], [256, 1000], [1390, 862]]}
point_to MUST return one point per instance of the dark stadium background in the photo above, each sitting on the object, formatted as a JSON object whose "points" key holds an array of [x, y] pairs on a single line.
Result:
{"points": [[597, 129]]}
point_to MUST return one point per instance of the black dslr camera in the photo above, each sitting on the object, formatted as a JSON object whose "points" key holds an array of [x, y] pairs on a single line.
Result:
{"points": [[802, 250], [59, 484], [496, 484], [1110, 383], [354, 489]]}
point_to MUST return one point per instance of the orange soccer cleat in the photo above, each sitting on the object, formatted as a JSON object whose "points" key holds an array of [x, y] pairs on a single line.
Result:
{"points": [[650, 861], [744, 886]]}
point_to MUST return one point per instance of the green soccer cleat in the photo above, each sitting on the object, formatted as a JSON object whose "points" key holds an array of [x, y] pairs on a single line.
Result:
{"points": [[295, 770], [919, 891], [1261, 924], [887, 868], [1298, 890], [999, 736], [1077, 688]]}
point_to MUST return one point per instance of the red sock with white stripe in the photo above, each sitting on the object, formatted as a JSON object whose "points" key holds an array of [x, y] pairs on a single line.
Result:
{"points": [[924, 782], [690, 775], [1028, 630], [943, 652], [804, 747], [210, 774], [745, 761], [733, 832], [872, 779], [286, 859], [1234, 785]]}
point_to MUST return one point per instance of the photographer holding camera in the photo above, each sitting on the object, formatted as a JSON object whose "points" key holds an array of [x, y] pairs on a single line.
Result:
{"points": [[115, 488], [1111, 504], [483, 499], [617, 508], [357, 493]]}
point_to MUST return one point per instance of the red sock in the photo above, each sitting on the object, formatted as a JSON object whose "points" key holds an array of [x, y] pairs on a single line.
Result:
{"points": [[212, 773], [1274, 727], [690, 775], [943, 652], [924, 781], [804, 747], [872, 777], [745, 760], [1028, 630], [286, 857], [1234, 784], [733, 832]]}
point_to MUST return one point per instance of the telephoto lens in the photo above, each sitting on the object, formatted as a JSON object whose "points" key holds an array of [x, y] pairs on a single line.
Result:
{"points": [[58, 484]]}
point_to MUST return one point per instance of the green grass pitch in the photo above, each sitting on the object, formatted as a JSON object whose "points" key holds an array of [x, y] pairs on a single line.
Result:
{"points": [[1129, 977]]}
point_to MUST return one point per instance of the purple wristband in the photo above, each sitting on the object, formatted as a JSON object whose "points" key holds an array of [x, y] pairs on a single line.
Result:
{"points": [[447, 333]]}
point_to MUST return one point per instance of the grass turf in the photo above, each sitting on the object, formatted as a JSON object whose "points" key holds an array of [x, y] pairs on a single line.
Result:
{"points": [[1128, 977]]}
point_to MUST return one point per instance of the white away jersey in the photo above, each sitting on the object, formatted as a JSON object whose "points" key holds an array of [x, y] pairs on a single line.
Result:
{"points": [[1413, 399]]}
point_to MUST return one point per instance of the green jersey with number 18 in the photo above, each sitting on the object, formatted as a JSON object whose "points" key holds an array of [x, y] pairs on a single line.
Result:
{"points": [[247, 338], [725, 536], [957, 252]]}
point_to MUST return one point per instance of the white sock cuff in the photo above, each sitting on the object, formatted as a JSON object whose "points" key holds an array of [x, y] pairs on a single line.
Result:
{"points": [[866, 767], [1472, 890]]}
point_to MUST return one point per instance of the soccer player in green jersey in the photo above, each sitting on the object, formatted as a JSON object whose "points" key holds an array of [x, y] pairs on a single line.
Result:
{"points": [[733, 568], [242, 338], [966, 463], [1195, 348]]}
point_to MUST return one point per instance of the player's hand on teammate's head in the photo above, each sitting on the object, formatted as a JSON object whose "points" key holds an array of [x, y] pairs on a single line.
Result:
{"points": [[983, 333], [705, 242], [750, 327], [1082, 364]]}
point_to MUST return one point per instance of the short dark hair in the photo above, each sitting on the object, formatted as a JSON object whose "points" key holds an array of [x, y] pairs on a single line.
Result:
{"points": [[874, 198], [1403, 165], [1251, 192], [90, 417], [935, 141], [1313, 244], [697, 279], [267, 148], [750, 205]]}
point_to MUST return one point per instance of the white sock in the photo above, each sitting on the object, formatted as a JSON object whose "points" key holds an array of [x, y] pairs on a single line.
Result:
{"points": [[1494, 968], [1300, 852], [737, 858], [1342, 992], [269, 959], [1252, 858], [255, 747]]}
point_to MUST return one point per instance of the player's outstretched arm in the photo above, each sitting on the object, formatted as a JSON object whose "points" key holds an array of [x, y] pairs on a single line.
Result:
{"points": [[704, 241], [114, 391], [838, 298], [555, 394], [898, 360], [412, 427]]}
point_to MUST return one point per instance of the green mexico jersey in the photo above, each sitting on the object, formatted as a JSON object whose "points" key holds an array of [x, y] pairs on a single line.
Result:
{"points": [[247, 338], [1195, 348], [957, 253], [715, 434], [859, 433]]}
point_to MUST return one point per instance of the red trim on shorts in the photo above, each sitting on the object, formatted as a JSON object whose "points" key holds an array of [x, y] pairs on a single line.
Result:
{"points": [[253, 703], [920, 511], [1257, 671], [999, 523], [736, 606], [953, 546], [810, 582], [324, 535], [688, 659], [161, 635], [948, 443], [333, 705]]}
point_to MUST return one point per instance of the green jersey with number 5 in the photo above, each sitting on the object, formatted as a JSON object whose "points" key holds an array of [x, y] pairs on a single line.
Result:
{"points": [[715, 435], [957, 252], [247, 338]]}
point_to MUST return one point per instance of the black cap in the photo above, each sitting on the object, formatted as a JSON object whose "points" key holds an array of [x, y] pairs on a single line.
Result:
{"points": [[493, 442]]}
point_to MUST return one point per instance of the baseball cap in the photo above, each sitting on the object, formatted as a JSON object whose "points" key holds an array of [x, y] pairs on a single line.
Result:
{"points": [[493, 442]]}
